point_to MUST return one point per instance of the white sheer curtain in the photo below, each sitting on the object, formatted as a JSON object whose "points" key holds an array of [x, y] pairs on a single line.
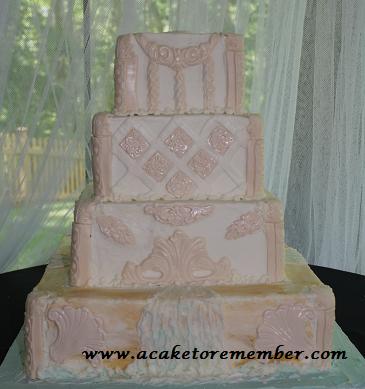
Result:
{"points": [[304, 74], [325, 206], [41, 108]]}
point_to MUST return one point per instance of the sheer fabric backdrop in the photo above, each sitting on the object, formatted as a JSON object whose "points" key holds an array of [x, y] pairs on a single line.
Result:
{"points": [[305, 64]]}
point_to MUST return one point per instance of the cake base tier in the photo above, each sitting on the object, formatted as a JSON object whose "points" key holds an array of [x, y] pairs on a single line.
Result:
{"points": [[62, 322]]}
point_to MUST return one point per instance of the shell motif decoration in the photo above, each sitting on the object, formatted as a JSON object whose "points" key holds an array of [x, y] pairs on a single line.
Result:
{"points": [[292, 326], [178, 260], [114, 229], [77, 330]]}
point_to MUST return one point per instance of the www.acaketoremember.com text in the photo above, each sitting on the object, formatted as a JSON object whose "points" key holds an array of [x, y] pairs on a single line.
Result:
{"points": [[177, 353]]}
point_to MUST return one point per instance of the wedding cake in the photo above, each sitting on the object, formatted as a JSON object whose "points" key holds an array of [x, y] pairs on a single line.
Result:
{"points": [[177, 251]]}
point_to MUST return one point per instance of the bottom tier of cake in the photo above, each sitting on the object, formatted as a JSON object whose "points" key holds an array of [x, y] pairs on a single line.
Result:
{"points": [[176, 333]]}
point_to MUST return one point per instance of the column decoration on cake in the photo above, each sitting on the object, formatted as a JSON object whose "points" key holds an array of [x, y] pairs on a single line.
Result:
{"points": [[255, 164], [177, 260], [324, 327], [102, 155], [153, 84], [234, 61], [178, 215], [126, 75], [33, 336], [75, 244], [208, 82], [81, 243], [178, 59], [77, 330], [274, 231], [292, 326]]}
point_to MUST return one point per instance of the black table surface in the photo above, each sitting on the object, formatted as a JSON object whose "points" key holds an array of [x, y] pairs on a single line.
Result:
{"points": [[348, 288]]}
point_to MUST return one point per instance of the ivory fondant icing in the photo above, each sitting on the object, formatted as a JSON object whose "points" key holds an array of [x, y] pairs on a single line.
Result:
{"points": [[178, 242], [177, 157], [297, 313], [178, 73]]}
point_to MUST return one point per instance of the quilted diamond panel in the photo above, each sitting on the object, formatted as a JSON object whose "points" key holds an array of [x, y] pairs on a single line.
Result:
{"points": [[178, 157]]}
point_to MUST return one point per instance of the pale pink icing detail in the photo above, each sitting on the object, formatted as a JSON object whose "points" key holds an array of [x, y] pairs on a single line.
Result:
{"points": [[157, 166], [84, 210], [208, 83], [255, 163], [267, 218], [324, 334], [75, 242], [174, 57], [125, 73], [234, 60], [202, 163], [248, 223], [116, 230], [33, 336], [180, 91], [77, 330], [101, 155], [274, 232], [28, 345], [180, 185], [273, 212], [292, 326], [178, 259], [179, 142], [100, 125], [80, 254], [134, 144], [180, 214], [153, 82], [178, 59], [271, 247], [220, 140]]}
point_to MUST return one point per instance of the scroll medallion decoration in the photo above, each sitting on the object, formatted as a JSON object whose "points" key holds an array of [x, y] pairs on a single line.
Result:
{"points": [[220, 140], [179, 142], [202, 163], [253, 221], [77, 330], [247, 224], [157, 166], [180, 185], [174, 57], [178, 215], [178, 260], [134, 144], [114, 229], [293, 326]]}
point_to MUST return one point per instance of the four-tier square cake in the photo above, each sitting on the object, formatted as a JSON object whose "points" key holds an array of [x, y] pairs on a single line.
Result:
{"points": [[176, 244]]}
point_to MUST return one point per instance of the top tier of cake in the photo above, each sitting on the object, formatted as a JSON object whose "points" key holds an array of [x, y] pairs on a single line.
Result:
{"points": [[177, 73]]}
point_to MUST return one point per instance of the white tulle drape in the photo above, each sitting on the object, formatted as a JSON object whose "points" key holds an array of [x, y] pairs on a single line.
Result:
{"points": [[325, 202], [304, 74], [41, 87]]}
